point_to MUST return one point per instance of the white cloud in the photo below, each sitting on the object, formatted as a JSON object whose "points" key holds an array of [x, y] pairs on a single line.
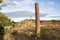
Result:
{"points": [[27, 2], [15, 6], [19, 19], [15, 2], [25, 5], [7, 2], [41, 3], [47, 10], [51, 3], [19, 10]]}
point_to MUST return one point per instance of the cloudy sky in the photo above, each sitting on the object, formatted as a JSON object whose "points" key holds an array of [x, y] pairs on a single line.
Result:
{"points": [[50, 7]]}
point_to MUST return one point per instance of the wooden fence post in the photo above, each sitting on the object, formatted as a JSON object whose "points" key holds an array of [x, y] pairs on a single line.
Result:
{"points": [[37, 20]]}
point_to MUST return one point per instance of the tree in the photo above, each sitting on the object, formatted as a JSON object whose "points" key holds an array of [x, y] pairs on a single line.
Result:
{"points": [[1, 1], [4, 20], [1, 4]]}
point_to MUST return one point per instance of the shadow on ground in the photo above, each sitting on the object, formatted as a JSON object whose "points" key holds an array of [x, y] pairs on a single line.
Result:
{"points": [[21, 36], [1, 33]]}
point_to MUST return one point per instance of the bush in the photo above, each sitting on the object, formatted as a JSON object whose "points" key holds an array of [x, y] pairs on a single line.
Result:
{"points": [[1, 30]]}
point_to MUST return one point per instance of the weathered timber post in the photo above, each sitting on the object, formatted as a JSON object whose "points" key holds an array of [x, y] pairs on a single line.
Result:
{"points": [[37, 20]]}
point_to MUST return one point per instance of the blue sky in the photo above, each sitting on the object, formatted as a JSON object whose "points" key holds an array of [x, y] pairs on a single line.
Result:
{"points": [[50, 7]]}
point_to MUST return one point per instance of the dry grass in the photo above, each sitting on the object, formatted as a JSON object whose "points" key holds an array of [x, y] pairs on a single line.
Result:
{"points": [[22, 31], [18, 33]]}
